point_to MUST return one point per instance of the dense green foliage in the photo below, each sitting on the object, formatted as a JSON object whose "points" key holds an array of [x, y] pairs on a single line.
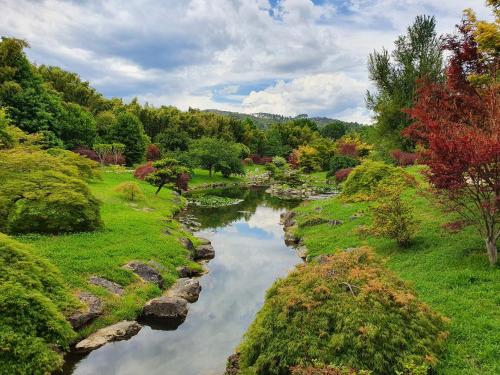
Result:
{"points": [[45, 192], [130, 191], [217, 155], [128, 131], [33, 299], [365, 178], [346, 310], [339, 162]]}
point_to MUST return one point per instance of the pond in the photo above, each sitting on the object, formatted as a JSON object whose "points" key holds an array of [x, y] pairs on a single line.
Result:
{"points": [[250, 256]]}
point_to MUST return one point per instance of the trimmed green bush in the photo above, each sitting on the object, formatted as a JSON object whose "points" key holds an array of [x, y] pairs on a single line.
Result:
{"points": [[365, 178], [45, 193], [33, 299], [339, 162], [343, 310]]}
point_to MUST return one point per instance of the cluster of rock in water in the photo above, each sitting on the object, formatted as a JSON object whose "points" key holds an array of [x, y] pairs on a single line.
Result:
{"points": [[168, 311]]}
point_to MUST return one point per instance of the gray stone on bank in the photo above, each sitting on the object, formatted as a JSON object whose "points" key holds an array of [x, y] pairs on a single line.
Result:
{"points": [[116, 332], [203, 252], [186, 288], [93, 308], [111, 286], [166, 309], [145, 272]]}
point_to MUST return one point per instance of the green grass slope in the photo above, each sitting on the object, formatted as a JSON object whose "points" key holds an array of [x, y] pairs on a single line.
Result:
{"points": [[132, 231], [450, 272]]}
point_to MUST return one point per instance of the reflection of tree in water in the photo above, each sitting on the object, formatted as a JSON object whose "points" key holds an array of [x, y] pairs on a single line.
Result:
{"points": [[213, 217]]}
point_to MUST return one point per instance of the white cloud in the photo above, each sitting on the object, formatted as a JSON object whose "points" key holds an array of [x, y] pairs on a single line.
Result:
{"points": [[312, 57]]}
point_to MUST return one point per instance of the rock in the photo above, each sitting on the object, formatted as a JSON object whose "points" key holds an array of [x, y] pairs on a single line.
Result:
{"points": [[204, 241], [119, 331], [335, 222], [233, 364], [290, 238], [312, 221], [106, 284], [171, 311], [92, 310], [186, 288], [204, 252], [318, 209], [145, 272], [185, 271], [187, 243], [302, 252], [287, 219]]}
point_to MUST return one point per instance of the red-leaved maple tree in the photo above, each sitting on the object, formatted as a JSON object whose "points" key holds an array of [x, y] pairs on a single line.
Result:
{"points": [[458, 123]]}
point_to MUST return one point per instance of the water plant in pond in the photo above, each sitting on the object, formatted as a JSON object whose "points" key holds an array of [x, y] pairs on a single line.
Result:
{"points": [[214, 201]]}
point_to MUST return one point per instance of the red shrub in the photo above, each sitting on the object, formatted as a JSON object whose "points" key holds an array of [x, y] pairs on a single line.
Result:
{"points": [[257, 159], [143, 170], [153, 152], [348, 149], [342, 174], [404, 158], [182, 181], [112, 159], [294, 159], [86, 152]]}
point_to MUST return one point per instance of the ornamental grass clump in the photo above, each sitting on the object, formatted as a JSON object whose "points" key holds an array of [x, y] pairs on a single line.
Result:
{"points": [[343, 311]]}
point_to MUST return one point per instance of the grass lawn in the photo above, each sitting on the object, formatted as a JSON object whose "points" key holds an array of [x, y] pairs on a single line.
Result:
{"points": [[132, 231], [449, 271]]}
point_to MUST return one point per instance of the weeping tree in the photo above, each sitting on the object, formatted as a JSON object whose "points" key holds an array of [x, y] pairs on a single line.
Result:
{"points": [[417, 55]]}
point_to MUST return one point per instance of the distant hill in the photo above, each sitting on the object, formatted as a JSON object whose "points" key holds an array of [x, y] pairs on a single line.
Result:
{"points": [[264, 120]]}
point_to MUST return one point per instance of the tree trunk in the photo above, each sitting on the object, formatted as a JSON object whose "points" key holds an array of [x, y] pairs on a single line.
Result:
{"points": [[491, 246]]}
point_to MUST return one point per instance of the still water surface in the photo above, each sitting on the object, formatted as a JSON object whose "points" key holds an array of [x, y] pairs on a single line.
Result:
{"points": [[250, 256]]}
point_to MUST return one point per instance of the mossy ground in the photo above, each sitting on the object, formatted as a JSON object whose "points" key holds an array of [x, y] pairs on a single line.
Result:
{"points": [[449, 271]]}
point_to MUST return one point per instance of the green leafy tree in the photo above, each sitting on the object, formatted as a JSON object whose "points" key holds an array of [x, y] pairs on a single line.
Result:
{"points": [[128, 130], [215, 154], [117, 150], [103, 150], [78, 127], [29, 102], [334, 130], [7, 139], [105, 121], [417, 55]]}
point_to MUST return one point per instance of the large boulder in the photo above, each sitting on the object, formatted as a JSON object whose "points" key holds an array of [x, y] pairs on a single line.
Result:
{"points": [[287, 219], [145, 272], [204, 252], [186, 288], [119, 331], [186, 271], [111, 286], [92, 309], [170, 311]]}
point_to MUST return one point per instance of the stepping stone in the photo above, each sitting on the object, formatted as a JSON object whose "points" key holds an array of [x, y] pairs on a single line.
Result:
{"points": [[107, 284], [93, 308], [116, 332], [145, 272]]}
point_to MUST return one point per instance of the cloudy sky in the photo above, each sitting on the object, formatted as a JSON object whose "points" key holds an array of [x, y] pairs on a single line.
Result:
{"points": [[277, 56]]}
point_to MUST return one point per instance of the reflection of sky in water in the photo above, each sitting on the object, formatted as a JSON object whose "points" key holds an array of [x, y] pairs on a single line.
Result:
{"points": [[250, 255]]}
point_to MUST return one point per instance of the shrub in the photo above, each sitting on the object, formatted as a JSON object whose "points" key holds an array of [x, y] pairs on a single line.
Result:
{"points": [[339, 162], [153, 152], [279, 162], [342, 174], [392, 217], [294, 159], [33, 298], [45, 193], [143, 170], [365, 178], [310, 159], [86, 152], [247, 161], [257, 159], [342, 310], [130, 191], [404, 159]]}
